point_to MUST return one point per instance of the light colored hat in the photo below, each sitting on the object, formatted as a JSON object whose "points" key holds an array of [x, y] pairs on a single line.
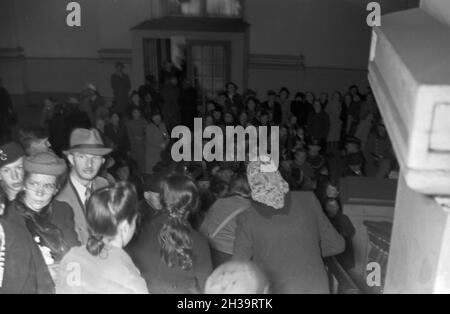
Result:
{"points": [[88, 142], [45, 163], [91, 86]]}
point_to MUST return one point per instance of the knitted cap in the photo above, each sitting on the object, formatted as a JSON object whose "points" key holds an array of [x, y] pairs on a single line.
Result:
{"points": [[45, 163]]}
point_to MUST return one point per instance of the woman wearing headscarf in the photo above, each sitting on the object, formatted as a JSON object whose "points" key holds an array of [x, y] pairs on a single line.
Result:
{"points": [[285, 234]]}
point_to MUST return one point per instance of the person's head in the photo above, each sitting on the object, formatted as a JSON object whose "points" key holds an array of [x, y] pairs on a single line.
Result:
{"points": [[314, 147], [299, 96], [300, 156], [152, 188], [11, 168], [267, 185], [348, 99], [222, 98], [120, 67], [135, 98], [323, 97], [381, 130], [115, 119], [148, 97], [317, 106], [34, 140], [337, 96], [284, 132], [173, 80], [352, 145], [208, 120], [111, 215], [239, 186], [217, 114], [210, 106], [86, 154], [228, 118], [264, 118], [353, 89], [332, 190], [156, 118], [136, 113], [243, 119], [370, 98], [309, 97], [293, 120], [231, 87], [300, 132], [237, 277], [284, 93], [122, 171], [251, 103], [44, 173], [354, 162], [218, 187], [271, 95], [356, 98], [48, 102], [180, 197]]}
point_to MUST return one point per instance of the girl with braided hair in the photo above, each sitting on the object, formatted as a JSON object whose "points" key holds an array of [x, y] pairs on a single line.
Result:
{"points": [[172, 256]]}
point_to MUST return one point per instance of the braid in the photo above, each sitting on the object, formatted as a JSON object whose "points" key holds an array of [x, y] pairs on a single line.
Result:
{"points": [[180, 197]]}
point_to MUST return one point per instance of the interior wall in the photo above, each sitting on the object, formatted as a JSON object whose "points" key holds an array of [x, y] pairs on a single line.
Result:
{"points": [[331, 34]]}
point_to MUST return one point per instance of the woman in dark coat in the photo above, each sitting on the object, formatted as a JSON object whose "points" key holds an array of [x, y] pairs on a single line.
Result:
{"points": [[41, 231], [172, 257], [318, 125], [117, 133], [188, 102], [285, 234]]}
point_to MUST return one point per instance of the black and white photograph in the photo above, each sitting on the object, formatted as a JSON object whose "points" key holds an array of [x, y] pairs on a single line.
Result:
{"points": [[205, 148]]}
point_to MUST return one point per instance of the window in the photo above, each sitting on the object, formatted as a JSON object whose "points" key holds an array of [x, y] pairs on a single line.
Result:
{"points": [[208, 8], [208, 66]]}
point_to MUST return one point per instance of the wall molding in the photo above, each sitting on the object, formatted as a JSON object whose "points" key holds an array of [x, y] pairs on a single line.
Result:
{"points": [[112, 54], [289, 62], [270, 61], [12, 53]]}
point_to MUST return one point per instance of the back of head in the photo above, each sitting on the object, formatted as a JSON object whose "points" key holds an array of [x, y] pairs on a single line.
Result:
{"points": [[237, 277], [106, 209], [180, 197]]}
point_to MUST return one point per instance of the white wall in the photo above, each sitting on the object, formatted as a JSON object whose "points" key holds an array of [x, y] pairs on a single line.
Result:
{"points": [[440, 9], [331, 34]]}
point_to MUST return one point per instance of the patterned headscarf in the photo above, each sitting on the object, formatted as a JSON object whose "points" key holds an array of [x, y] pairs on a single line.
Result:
{"points": [[268, 187]]}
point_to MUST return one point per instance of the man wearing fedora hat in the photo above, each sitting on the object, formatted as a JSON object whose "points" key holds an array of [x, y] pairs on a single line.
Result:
{"points": [[86, 155]]}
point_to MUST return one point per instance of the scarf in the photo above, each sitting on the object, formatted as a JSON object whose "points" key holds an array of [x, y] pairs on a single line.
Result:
{"points": [[40, 225]]}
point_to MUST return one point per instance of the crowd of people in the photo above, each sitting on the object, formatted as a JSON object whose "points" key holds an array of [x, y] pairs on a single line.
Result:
{"points": [[91, 201]]}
